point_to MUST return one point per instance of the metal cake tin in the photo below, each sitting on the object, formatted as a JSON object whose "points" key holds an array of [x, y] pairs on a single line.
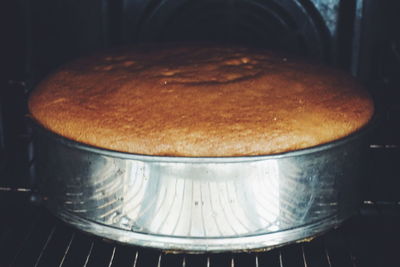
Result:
{"points": [[201, 204]]}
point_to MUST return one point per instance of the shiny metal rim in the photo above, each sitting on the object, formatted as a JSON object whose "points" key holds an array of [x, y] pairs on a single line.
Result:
{"points": [[171, 244], [124, 155]]}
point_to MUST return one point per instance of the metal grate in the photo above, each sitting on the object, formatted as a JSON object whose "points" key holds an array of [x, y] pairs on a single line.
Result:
{"points": [[31, 236]]}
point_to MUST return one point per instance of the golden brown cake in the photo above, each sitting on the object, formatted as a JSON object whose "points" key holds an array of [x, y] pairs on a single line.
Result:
{"points": [[199, 100]]}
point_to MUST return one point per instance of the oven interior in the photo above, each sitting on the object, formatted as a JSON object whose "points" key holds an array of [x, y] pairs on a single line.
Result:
{"points": [[359, 36]]}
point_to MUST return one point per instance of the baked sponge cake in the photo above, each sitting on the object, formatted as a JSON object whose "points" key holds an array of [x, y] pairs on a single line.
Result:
{"points": [[199, 100]]}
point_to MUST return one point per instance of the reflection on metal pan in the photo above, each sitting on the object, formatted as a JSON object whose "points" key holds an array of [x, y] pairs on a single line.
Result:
{"points": [[201, 204]]}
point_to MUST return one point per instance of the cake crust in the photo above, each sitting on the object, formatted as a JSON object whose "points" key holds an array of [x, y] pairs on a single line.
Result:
{"points": [[199, 100]]}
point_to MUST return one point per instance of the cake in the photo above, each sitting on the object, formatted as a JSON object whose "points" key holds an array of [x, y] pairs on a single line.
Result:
{"points": [[199, 100]]}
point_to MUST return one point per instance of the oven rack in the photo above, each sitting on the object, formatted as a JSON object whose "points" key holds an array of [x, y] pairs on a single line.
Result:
{"points": [[31, 236]]}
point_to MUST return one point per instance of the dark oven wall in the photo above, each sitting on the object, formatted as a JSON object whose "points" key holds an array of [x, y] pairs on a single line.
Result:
{"points": [[359, 36]]}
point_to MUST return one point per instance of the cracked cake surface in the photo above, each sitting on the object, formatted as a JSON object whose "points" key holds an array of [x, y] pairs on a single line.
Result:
{"points": [[199, 100]]}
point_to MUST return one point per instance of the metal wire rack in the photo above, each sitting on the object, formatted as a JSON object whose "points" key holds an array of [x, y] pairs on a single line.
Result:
{"points": [[31, 236]]}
